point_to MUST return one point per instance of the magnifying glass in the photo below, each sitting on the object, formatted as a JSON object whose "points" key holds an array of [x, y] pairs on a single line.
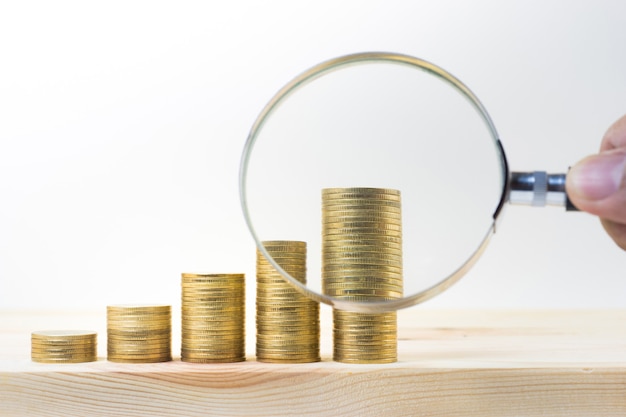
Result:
{"points": [[392, 171]]}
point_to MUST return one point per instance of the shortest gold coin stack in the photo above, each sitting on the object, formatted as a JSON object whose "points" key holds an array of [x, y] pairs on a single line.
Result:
{"points": [[287, 322], [213, 318], [139, 333], [64, 346]]}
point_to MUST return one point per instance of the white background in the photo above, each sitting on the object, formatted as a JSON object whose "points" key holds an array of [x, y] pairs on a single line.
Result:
{"points": [[122, 125]]}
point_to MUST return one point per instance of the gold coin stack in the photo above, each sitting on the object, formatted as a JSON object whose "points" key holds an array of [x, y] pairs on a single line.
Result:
{"points": [[213, 318], [287, 322], [362, 261], [64, 346], [139, 333]]}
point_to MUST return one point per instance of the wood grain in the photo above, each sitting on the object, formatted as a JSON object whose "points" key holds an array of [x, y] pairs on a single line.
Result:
{"points": [[465, 363]]}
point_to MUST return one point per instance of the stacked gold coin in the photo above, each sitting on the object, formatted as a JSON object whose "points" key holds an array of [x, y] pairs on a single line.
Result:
{"points": [[64, 346], [139, 333], [287, 322], [362, 261], [213, 318]]}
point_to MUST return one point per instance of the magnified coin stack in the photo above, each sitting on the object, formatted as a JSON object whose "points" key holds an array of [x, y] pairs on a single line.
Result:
{"points": [[64, 346], [213, 318], [287, 322], [139, 333], [362, 261]]}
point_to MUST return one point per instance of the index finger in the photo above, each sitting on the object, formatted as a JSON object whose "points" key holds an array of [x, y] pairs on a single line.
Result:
{"points": [[615, 136]]}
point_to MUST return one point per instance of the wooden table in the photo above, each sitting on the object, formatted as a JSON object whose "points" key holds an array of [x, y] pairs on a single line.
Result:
{"points": [[451, 363]]}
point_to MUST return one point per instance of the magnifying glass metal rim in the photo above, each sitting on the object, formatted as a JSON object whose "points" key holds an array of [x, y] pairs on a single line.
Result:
{"points": [[335, 64]]}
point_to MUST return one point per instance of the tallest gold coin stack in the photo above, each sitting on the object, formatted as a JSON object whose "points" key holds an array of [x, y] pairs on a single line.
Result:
{"points": [[362, 261]]}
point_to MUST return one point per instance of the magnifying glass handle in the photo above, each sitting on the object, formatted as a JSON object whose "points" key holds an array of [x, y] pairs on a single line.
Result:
{"points": [[539, 189]]}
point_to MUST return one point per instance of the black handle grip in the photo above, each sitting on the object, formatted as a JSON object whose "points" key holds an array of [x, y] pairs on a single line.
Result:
{"points": [[569, 206]]}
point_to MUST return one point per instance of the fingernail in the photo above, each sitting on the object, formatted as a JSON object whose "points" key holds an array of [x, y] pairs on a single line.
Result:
{"points": [[598, 176]]}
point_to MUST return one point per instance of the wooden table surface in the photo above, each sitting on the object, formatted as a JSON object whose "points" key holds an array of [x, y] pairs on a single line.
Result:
{"points": [[451, 363]]}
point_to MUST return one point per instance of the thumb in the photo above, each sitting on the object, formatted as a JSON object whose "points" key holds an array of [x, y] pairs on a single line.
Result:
{"points": [[597, 184]]}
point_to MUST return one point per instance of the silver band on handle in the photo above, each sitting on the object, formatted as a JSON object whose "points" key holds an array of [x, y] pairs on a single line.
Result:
{"points": [[538, 189]]}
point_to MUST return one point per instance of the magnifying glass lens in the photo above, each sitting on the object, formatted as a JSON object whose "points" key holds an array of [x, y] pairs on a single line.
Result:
{"points": [[387, 169]]}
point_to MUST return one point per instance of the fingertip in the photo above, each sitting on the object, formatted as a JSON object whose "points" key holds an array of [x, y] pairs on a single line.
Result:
{"points": [[615, 136], [616, 231], [596, 177]]}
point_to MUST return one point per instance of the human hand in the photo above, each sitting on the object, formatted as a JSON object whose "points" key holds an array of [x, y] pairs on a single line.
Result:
{"points": [[597, 184]]}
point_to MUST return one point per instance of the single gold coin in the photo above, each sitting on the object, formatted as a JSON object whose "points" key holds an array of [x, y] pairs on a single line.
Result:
{"points": [[290, 246], [375, 215], [366, 192], [139, 308], [360, 203], [140, 359], [63, 335], [232, 279]]}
